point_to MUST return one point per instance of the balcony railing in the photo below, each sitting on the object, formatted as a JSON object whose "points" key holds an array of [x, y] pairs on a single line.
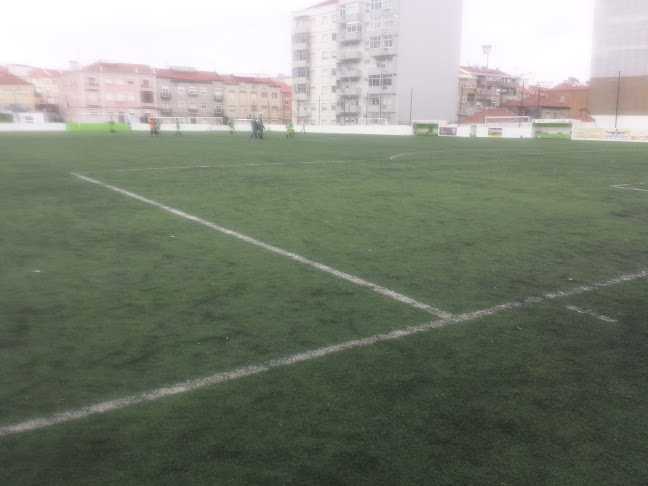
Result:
{"points": [[349, 55], [383, 51], [351, 92], [349, 37], [350, 74]]}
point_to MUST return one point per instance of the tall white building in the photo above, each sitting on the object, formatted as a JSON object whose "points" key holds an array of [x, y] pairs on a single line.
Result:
{"points": [[619, 69], [376, 61]]}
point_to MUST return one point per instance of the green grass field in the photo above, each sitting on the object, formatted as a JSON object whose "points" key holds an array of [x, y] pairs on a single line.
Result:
{"points": [[127, 268]]}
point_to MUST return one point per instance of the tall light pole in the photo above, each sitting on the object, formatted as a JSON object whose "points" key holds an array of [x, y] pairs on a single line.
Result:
{"points": [[487, 48]]}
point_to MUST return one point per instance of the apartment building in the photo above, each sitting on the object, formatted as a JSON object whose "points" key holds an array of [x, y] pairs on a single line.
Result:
{"points": [[481, 88], [619, 69], [375, 61], [252, 97], [105, 90], [16, 94], [187, 92], [45, 82]]}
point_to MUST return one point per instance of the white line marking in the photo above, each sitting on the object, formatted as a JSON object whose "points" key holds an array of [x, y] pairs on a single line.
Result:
{"points": [[625, 186], [394, 157], [351, 278], [590, 313], [223, 166], [296, 358]]}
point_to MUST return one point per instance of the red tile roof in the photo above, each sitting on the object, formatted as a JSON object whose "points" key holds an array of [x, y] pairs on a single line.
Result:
{"points": [[570, 87], [199, 76], [121, 68], [584, 117], [36, 72], [479, 117], [532, 101], [6, 78], [478, 70]]}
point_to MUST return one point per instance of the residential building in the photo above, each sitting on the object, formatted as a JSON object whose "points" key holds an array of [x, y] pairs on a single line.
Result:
{"points": [[45, 81], [619, 70], [183, 91], [539, 106], [16, 94], [108, 91], [252, 97], [481, 88], [575, 96], [375, 61], [286, 101]]}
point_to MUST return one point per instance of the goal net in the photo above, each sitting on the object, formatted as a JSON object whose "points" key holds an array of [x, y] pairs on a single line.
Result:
{"points": [[507, 121], [372, 121]]}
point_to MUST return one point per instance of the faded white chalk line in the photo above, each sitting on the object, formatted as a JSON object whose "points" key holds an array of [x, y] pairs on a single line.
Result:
{"points": [[324, 268], [111, 405], [590, 313]]}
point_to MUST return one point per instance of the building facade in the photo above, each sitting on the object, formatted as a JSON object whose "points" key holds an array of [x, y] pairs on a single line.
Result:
{"points": [[45, 82], [187, 92], [249, 97], [16, 94], [108, 91], [619, 70], [375, 61]]}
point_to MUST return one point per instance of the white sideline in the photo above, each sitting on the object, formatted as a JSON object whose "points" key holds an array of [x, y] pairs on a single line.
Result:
{"points": [[590, 313], [351, 278], [624, 186], [296, 358]]}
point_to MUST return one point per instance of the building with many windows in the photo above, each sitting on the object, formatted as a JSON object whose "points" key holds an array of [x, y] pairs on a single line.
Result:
{"points": [[187, 92], [106, 91], [376, 61]]}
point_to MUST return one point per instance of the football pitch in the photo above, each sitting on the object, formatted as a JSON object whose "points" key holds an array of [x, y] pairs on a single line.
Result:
{"points": [[322, 310]]}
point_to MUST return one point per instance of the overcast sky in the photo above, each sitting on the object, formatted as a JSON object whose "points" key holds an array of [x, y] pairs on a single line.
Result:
{"points": [[549, 40]]}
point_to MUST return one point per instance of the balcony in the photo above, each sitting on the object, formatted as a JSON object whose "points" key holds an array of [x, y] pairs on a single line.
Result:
{"points": [[350, 56], [350, 74], [351, 92], [381, 90], [349, 109], [219, 97], [351, 17], [350, 37], [383, 52]]}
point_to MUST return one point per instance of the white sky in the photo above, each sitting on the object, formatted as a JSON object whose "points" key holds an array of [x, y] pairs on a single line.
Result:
{"points": [[549, 40]]}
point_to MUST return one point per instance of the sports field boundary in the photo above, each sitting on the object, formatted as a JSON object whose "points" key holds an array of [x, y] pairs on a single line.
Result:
{"points": [[325, 268], [187, 386]]}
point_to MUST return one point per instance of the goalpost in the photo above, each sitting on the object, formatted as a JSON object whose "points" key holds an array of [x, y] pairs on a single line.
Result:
{"points": [[95, 117]]}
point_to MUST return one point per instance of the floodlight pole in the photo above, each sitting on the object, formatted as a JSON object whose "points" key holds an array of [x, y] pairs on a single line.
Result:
{"points": [[411, 100]]}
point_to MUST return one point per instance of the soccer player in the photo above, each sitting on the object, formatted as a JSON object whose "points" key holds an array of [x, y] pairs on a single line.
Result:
{"points": [[254, 128], [152, 126], [178, 132], [232, 129]]}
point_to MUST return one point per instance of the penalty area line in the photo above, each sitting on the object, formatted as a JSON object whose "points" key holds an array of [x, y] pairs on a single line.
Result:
{"points": [[117, 404], [324, 268]]}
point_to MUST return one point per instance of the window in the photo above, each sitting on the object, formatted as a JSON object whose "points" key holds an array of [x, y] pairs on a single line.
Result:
{"points": [[264, 94], [203, 90], [353, 27], [274, 95], [300, 38], [375, 5], [203, 106], [324, 55], [181, 90], [388, 40], [130, 81], [562, 99], [219, 108], [342, 10], [147, 96], [301, 55], [165, 92], [374, 80], [145, 83], [192, 90], [92, 82], [375, 42], [333, 72], [301, 72], [301, 88], [386, 79], [332, 89], [334, 36]]}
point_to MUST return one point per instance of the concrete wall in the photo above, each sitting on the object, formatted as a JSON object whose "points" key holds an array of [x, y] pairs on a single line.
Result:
{"points": [[32, 127]]}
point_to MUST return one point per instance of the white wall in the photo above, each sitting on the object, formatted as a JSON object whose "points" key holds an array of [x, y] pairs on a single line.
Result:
{"points": [[32, 127]]}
